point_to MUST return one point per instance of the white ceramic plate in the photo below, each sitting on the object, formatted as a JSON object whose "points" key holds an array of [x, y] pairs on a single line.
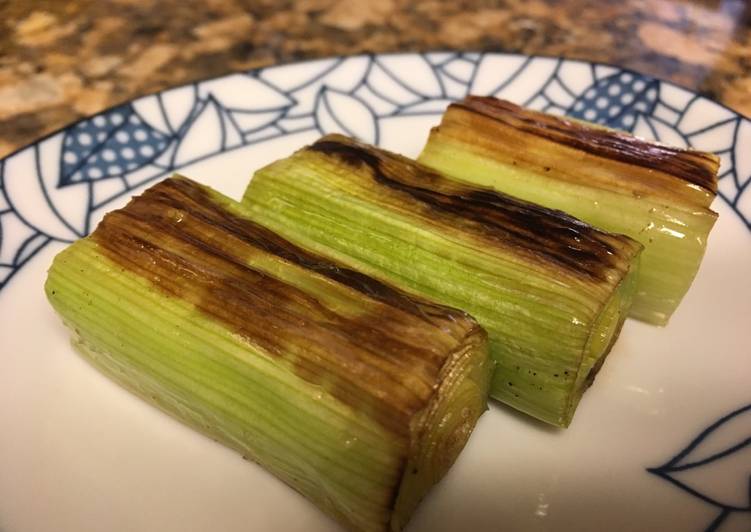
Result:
{"points": [[662, 441]]}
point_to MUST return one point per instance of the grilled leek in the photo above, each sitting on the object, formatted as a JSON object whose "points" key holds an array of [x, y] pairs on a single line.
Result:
{"points": [[353, 393], [550, 290], [658, 195]]}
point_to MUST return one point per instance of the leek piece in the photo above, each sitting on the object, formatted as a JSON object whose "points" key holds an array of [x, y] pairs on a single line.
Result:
{"points": [[353, 393], [550, 290], [655, 194]]}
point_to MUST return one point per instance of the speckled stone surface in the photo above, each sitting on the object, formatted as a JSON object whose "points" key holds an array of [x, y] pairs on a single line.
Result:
{"points": [[62, 60]]}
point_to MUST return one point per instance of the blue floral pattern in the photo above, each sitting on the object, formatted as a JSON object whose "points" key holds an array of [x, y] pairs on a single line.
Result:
{"points": [[101, 158], [87, 165], [617, 100], [678, 469], [108, 145]]}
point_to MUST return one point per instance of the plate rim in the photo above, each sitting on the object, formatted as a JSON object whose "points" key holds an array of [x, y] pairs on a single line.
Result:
{"points": [[370, 55]]}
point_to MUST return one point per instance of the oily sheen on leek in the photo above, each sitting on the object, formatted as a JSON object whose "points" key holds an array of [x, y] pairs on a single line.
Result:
{"points": [[658, 195], [354, 394], [551, 291]]}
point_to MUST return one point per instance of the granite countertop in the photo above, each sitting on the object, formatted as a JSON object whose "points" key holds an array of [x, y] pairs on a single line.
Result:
{"points": [[62, 60]]}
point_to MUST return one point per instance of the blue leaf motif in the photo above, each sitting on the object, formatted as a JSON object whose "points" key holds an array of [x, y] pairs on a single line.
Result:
{"points": [[716, 447], [288, 78], [245, 93], [344, 75], [178, 105], [30, 188], [18, 241], [151, 110], [617, 100], [460, 69], [650, 127], [495, 71], [339, 112], [205, 134], [77, 172], [109, 144], [413, 72]]}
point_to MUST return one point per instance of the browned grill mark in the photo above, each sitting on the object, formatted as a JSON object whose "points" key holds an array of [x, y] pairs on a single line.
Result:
{"points": [[192, 248], [696, 167], [551, 235], [256, 235]]}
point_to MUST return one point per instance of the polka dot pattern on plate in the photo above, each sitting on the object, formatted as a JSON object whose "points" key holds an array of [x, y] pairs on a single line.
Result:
{"points": [[108, 145], [616, 100]]}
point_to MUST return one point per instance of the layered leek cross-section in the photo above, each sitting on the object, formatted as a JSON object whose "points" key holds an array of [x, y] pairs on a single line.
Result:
{"points": [[353, 393], [550, 290], [656, 194]]}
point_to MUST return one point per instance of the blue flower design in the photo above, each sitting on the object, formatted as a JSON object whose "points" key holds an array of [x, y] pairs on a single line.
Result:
{"points": [[110, 144], [617, 100], [694, 456], [104, 157]]}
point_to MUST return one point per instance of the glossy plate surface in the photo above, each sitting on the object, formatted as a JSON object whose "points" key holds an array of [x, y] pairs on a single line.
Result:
{"points": [[662, 441]]}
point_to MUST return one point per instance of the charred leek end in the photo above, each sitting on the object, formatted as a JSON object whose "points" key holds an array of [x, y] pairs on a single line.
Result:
{"points": [[551, 291], [655, 194], [351, 392]]}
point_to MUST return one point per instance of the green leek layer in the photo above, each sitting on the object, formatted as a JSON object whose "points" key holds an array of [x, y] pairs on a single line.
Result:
{"points": [[354, 394], [551, 291], [657, 195]]}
